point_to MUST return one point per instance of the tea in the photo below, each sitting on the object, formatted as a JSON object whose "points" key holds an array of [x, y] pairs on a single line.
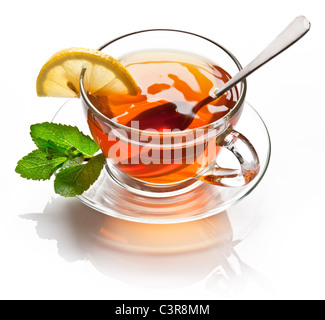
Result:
{"points": [[162, 76]]}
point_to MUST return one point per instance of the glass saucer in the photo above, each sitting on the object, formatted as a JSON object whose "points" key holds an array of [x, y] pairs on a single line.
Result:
{"points": [[109, 197]]}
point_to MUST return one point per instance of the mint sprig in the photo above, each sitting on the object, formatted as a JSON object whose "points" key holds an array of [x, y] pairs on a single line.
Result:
{"points": [[67, 151]]}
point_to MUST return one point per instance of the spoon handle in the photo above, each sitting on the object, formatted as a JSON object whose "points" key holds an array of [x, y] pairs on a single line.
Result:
{"points": [[291, 34]]}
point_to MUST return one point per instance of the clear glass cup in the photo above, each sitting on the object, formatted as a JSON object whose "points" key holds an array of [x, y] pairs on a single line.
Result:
{"points": [[180, 147]]}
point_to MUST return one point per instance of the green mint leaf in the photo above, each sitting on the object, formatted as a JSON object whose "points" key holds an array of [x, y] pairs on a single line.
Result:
{"points": [[37, 166], [63, 136], [51, 149], [75, 180]]}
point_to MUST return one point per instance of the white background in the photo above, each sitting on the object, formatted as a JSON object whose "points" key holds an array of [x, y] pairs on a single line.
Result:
{"points": [[47, 250]]}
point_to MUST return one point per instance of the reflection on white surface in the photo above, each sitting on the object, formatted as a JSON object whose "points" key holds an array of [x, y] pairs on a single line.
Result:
{"points": [[154, 256]]}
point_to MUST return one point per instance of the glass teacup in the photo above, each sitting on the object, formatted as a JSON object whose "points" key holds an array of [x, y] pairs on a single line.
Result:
{"points": [[158, 163]]}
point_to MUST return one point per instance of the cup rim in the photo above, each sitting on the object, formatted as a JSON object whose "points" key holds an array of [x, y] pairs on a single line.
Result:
{"points": [[212, 125]]}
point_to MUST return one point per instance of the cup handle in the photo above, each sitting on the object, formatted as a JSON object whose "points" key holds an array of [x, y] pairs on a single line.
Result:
{"points": [[245, 153]]}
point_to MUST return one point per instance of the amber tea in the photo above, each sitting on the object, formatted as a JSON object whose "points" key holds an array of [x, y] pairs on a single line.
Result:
{"points": [[162, 76]]}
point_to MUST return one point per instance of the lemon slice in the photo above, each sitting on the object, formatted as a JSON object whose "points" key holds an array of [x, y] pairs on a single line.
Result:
{"points": [[60, 76]]}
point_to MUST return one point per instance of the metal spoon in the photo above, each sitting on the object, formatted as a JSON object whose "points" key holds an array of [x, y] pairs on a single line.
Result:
{"points": [[171, 119]]}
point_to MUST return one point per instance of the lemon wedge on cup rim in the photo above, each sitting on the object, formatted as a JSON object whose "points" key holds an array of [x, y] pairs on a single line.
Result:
{"points": [[60, 76]]}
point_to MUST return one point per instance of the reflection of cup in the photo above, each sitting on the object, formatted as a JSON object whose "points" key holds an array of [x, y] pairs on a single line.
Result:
{"points": [[186, 237], [192, 153], [190, 253], [142, 254]]}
